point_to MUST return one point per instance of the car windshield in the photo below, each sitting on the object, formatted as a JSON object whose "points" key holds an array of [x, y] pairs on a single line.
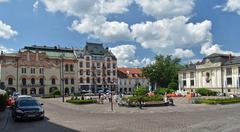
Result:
{"points": [[23, 103]]}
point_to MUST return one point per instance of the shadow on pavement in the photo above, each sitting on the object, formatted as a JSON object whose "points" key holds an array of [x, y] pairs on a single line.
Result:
{"points": [[35, 126]]}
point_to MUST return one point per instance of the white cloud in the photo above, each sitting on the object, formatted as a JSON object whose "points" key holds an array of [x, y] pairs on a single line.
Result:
{"points": [[6, 31], [4, 1], [6, 50], [35, 5], [126, 56], [209, 48], [166, 8], [81, 8], [181, 53], [232, 6], [166, 35], [98, 26]]}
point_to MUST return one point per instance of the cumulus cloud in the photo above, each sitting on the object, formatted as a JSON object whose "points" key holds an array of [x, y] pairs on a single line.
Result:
{"points": [[232, 6], [87, 7], [6, 31], [166, 8], [209, 48], [181, 53], [126, 56], [4, 1], [99, 27], [5, 49], [35, 5], [166, 35]]}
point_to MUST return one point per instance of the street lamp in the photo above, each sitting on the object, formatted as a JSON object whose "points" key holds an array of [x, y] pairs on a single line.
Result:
{"points": [[62, 76], [112, 82]]}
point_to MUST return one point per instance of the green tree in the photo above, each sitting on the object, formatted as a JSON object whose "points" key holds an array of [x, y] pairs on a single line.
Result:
{"points": [[173, 85], [140, 91], [163, 71]]}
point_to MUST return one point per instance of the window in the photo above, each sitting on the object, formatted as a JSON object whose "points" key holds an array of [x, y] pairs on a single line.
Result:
{"points": [[108, 65], [229, 71], [129, 89], [72, 81], [87, 64], [81, 72], [53, 81], [32, 70], [32, 81], [10, 81], [184, 83], [41, 81], [24, 81], [184, 75], [238, 70], [192, 82], [99, 80], [41, 71], [191, 74], [114, 73], [71, 67], [98, 65], [81, 80], [229, 81], [108, 72], [98, 72], [24, 70], [114, 65], [66, 81], [129, 82], [87, 58], [88, 72], [80, 64], [88, 80], [66, 67], [109, 80]]}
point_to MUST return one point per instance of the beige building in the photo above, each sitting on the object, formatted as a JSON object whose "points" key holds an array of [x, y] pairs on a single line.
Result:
{"points": [[97, 68], [36, 70], [218, 72], [129, 79]]}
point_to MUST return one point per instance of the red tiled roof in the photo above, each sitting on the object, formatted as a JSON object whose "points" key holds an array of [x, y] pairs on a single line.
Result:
{"points": [[131, 72]]}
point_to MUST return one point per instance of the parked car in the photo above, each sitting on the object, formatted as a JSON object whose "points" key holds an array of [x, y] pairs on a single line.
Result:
{"points": [[15, 95], [27, 108]]}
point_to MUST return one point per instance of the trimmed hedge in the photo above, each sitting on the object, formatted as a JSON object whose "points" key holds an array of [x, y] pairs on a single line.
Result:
{"points": [[144, 98], [56, 92], [162, 91], [81, 101], [218, 101], [3, 101], [206, 92]]}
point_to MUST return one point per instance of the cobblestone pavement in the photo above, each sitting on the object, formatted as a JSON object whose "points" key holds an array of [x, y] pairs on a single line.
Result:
{"points": [[98, 118]]}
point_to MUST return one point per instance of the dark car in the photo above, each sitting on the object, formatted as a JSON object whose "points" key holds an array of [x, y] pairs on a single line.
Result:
{"points": [[27, 108]]}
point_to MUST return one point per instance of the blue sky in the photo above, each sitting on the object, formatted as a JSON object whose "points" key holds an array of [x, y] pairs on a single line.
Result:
{"points": [[135, 30]]}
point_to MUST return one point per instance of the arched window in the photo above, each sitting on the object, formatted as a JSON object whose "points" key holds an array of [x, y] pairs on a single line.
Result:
{"points": [[41, 90], [24, 81], [10, 81], [72, 81], [88, 80], [99, 80], [32, 91], [81, 80], [66, 67], [109, 80], [41, 81], [53, 81], [72, 90], [66, 81], [32, 81], [71, 67]]}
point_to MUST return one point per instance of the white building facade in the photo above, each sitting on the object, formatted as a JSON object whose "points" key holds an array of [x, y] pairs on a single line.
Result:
{"points": [[217, 72]]}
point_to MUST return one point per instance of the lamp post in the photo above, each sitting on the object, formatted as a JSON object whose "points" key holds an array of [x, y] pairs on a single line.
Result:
{"points": [[112, 95], [62, 76]]}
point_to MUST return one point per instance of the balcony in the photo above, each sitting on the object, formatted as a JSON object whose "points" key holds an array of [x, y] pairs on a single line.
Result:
{"points": [[31, 85]]}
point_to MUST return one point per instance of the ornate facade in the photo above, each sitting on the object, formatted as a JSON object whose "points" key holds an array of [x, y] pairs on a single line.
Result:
{"points": [[37, 70], [97, 68], [218, 72]]}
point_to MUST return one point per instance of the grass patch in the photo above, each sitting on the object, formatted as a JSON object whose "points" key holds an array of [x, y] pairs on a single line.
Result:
{"points": [[218, 101], [78, 101]]}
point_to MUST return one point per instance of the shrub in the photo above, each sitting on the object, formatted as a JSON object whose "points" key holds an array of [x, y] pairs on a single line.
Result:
{"points": [[81, 101], [3, 101], [162, 91], [206, 92], [219, 101], [134, 99], [173, 85], [141, 91], [56, 92]]}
